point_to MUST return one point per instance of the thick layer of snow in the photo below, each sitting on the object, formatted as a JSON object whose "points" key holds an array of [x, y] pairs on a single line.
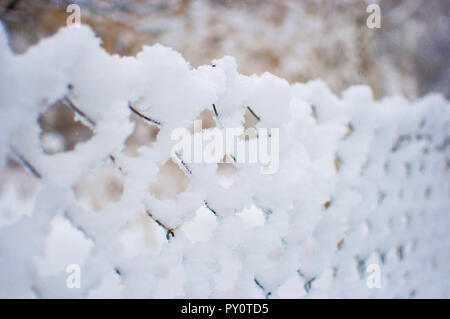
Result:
{"points": [[360, 182]]}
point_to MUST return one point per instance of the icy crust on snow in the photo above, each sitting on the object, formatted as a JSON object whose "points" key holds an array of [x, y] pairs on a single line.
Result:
{"points": [[360, 182]]}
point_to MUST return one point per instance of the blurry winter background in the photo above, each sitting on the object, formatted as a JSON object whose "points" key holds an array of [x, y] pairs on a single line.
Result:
{"points": [[295, 40]]}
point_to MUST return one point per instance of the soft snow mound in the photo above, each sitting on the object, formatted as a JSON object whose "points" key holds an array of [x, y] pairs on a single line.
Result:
{"points": [[360, 182]]}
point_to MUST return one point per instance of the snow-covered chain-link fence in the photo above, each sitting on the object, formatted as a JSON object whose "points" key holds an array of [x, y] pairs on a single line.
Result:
{"points": [[360, 182]]}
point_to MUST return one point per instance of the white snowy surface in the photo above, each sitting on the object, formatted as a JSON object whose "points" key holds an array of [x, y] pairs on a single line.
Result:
{"points": [[341, 200]]}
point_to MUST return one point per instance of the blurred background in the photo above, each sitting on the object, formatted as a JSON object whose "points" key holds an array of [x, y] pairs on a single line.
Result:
{"points": [[298, 40]]}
